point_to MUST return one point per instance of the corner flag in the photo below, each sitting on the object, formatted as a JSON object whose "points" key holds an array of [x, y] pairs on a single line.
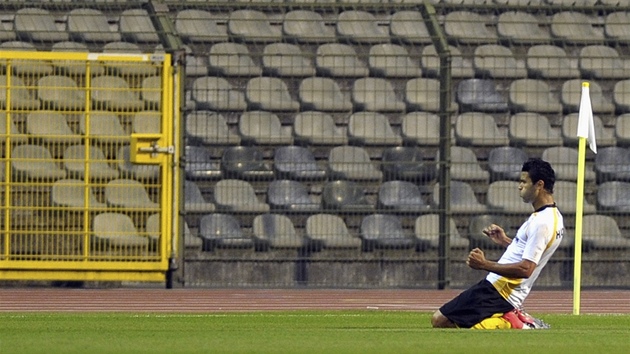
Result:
{"points": [[585, 131]]}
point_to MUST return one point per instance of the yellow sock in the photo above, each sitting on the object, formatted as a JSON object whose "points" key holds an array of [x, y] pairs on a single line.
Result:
{"points": [[495, 322]]}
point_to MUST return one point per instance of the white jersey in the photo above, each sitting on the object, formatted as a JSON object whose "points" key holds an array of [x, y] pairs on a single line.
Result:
{"points": [[536, 240]]}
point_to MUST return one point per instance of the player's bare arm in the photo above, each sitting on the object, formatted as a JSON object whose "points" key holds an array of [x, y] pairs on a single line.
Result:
{"points": [[523, 269], [497, 235]]}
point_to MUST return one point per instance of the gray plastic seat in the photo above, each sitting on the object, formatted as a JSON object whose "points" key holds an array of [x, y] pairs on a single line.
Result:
{"points": [[151, 92], [326, 231], [605, 136], [128, 194], [550, 62], [233, 195], [21, 98], [298, 163], [375, 94], [421, 128], [497, 61], [616, 26], [532, 129], [136, 26], [480, 95], [216, 93], [622, 130], [263, 128], [563, 160], [50, 127], [318, 128], [232, 59], [621, 96], [402, 196], [603, 62], [286, 60], [361, 27], [104, 127], [127, 69], [612, 164], [423, 94], [505, 163], [245, 162], [478, 129], [339, 60], [406, 163], [564, 194], [195, 25], [10, 131], [97, 168], [463, 199], [381, 231], [200, 165], [521, 27], [291, 196], [345, 196], [113, 93], [274, 231], [371, 128], [269, 94], [25, 68], [353, 163], [323, 94], [531, 95], [209, 128], [194, 201], [409, 27], [89, 26], [252, 26], [72, 68], [71, 193], [37, 25], [465, 166], [427, 233], [460, 67], [574, 27], [614, 196], [468, 28], [223, 231], [34, 163], [602, 232], [117, 230], [129, 169], [306, 26], [392, 60], [59, 92]]}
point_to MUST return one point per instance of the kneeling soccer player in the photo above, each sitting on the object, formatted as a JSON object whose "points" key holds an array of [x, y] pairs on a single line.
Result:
{"points": [[495, 302]]}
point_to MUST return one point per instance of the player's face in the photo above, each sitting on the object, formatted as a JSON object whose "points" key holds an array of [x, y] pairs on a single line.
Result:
{"points": [[526, 188]]}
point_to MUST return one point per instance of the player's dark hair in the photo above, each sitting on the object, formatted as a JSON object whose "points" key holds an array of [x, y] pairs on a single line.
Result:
{"points": [[539, 169]]}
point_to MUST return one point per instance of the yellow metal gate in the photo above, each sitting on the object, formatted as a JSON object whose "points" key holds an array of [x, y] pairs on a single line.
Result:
{"points": [[86, 171]]}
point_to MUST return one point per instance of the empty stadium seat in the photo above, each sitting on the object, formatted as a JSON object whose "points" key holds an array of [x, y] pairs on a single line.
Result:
{"points": [[103, 127], [216, 93], [129, 169], [318, 128], [615, 26], [71, 193], [520, 27], [151, 92], [34, 163], [497, 61], [402, 196], [572, 92], [89, 26], [462, 198], [128, 193], [128, 69], [505, 163], [353, 163], [323, 94], [361, 27], [290, 196], [195, 25], [306, 26], [565, 194], [550, 62], [392, 60], [25, 68], [58, 92], [286, 60], [80, 165], [375, 94], [275, 231], [50, 127], [465, 166], [460, 67], [252, 26], [421, 128], [612, 164], [345, 196], [532, 129], [602, 232], [406, 163], [603, 62], [10, 131], [200, 165], [468, 27], [478, 129], [72, 68], [209, 128], [21, 98], [113, 93], [371, 128], [408, 26], [383, 231], [480, 95], [604, 136], [37, 25], [136, 26], [263, 128], [298, 163], [622, 130], [270, 94], [232, 59], [423, 94], [532, 95], [325, 231], [223, 231], [339, 60], [574, 27], [245, 162], [233, 195], [116, 230], [427, 233], [563, 160], [194, 201]]}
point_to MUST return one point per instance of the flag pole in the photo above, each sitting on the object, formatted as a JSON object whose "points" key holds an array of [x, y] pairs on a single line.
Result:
{"points": [[579, 205]]}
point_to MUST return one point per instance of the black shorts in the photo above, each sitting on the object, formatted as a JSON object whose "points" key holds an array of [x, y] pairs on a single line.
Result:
{"points": [[475, 304]]}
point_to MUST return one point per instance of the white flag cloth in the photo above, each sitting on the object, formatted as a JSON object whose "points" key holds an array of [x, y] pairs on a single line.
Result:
{"points": [[586, 127]]}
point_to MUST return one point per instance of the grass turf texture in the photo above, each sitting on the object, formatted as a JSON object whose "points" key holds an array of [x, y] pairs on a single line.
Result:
{"points": [[298, 332]]}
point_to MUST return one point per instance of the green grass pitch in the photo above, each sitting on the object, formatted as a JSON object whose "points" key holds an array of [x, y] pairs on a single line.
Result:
{"points": [[369, 331]]}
